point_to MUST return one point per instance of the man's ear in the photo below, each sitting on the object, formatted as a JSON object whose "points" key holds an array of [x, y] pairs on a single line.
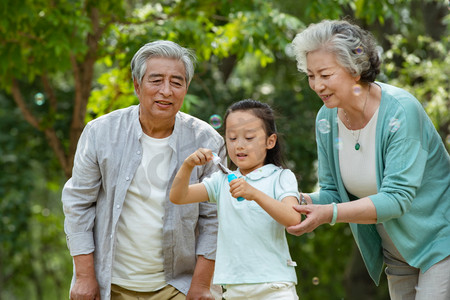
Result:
{"points": [[137, 88], [271, 141]]}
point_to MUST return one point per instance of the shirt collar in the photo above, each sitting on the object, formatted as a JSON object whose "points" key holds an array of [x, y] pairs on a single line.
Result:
{"points": [[264, 171]]}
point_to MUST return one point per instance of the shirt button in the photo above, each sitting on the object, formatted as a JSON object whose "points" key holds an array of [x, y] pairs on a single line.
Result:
{"points": [[118, 206], [127, 178], [110, 236], [138, 152]]}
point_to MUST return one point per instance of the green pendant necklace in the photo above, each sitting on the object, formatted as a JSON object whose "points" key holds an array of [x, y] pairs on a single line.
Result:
{"points": [[357, 144]]}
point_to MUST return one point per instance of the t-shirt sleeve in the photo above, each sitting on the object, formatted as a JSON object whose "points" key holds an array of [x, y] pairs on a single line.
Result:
{"points": [[286, 185], [213, 185]]}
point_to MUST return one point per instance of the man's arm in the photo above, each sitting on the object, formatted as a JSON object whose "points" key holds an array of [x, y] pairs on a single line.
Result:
{"points": [[201, 280], [86, 285]]}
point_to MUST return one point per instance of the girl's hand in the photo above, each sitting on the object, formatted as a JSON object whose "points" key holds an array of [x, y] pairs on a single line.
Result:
{"points": [[316, 215], [240, 188], [199, 157]]}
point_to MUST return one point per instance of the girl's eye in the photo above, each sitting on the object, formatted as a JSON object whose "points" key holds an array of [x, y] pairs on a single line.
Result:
{"points": [[232, 139], [250, 138]]}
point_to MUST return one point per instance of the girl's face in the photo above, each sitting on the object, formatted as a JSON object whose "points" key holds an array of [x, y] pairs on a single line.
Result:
{"points": [[247, 141], [333, 83]]}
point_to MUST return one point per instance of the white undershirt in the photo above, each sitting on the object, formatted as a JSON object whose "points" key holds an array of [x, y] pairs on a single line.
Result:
{"points": [[138, 260], [358, 166], [358, 170]]}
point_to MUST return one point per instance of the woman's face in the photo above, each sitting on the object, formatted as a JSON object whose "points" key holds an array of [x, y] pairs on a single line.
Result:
{"points": [[333, 83]]}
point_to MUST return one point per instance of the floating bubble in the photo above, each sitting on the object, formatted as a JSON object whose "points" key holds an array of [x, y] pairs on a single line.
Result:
{"points": [[323, 126], [215, 121], [39, 99], [315, 280], [356, 90], [338, 144], [394, 125], [359, 50]]}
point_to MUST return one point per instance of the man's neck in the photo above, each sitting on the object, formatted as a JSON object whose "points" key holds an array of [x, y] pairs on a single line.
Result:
{"points": [[158, 129]]}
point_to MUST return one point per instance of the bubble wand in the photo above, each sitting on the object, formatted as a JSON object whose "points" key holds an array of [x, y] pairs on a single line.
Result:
{"points": [[231, 175]]}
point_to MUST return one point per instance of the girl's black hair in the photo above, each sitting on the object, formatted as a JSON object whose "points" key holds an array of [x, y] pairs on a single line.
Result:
{"points": [[266, 114]]}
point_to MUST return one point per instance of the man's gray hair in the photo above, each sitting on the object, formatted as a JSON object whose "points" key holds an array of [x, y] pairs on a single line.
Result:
{"points": [[165, 49]]}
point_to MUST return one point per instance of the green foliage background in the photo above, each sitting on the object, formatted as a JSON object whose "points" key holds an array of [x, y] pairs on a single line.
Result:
{"points": [[77, 54]]}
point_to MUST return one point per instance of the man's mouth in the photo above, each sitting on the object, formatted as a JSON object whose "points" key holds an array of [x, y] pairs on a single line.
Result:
{"points": [[163, 102]]}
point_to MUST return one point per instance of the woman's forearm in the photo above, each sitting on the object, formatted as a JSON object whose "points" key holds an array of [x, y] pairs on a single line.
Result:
{"points": [[360, 211]]}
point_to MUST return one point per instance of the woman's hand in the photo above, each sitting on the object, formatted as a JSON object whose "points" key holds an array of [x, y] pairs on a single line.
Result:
{"points": [[316, 215]]}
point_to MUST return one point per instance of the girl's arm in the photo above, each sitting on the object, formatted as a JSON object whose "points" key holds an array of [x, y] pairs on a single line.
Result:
{"points": [[183, 193], [282, 211]]}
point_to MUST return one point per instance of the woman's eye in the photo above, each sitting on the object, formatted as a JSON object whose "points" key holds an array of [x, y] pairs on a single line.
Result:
{"points": [[250, 138]]}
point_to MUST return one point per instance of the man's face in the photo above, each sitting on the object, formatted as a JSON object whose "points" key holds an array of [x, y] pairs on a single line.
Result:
{"points": [[162, 89]]}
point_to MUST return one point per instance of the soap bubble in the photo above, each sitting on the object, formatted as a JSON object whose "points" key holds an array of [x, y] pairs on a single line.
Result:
{"points": [[356, 90], [39, 99], [323, 126], [394, 124], [215, 121], [315, 280]]}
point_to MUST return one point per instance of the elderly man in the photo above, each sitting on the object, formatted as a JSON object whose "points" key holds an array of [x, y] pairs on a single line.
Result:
{"points": [[128, 241]]}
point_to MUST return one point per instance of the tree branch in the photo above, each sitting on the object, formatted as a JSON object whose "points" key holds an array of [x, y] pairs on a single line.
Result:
{"points": [[49, 132], [49, 91], [17, 96]]}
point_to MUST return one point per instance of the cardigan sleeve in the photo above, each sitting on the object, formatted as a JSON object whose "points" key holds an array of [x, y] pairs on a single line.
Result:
{"points": [[401, 155], [326, 164]]}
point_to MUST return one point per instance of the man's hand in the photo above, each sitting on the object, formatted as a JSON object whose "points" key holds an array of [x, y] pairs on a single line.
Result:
{"points": [[199, 292], [85, 289], [201, 280], [86, 285]]}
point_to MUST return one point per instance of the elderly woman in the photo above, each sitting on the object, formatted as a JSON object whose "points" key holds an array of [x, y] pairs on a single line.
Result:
{"points": [[383, 168]]}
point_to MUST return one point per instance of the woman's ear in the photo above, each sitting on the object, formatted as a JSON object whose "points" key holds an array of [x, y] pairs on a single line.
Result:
{"points": [[271, 141]]}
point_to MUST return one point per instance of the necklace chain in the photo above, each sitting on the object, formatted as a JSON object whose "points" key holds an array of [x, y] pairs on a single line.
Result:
{"points": [[357, 145]]}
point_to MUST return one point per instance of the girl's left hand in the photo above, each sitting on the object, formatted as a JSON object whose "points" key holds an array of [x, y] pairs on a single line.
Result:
{"points": [[240, 188]]}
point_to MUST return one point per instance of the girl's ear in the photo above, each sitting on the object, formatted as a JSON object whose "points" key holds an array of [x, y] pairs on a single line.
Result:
{"points": [[271, 141]]}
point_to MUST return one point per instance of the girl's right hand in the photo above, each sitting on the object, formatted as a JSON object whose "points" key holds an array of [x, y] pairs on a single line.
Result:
{"points": [[199, 157]]}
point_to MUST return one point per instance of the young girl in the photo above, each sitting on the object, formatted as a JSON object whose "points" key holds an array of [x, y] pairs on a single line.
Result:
{"points": [[253, 260]]}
